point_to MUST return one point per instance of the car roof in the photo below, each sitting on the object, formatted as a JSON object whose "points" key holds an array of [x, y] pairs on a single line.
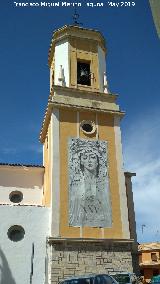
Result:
{"points": [[82, 276], [85, 276]]}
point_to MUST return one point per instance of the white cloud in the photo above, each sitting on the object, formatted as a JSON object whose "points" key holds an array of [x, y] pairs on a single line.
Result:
{"points": [[141, 153]]}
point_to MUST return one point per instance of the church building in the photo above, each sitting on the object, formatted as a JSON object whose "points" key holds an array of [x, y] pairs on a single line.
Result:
{"points": [[75, 214]]}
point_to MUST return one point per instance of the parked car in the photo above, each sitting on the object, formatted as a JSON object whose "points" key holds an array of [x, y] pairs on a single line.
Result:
{"points": [[155, 279], [125, 278], [91, 279]]}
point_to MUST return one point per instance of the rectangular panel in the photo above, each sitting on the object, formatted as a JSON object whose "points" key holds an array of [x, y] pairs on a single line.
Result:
{"points": [[89, 200]]}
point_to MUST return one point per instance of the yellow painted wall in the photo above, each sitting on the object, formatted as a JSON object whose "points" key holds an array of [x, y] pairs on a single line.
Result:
{"points": [[106, 132], [68, 128], [146, 256], [47, 173]]}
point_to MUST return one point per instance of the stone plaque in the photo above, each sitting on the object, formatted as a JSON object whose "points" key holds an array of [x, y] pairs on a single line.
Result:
{"points": [[89, 196]]}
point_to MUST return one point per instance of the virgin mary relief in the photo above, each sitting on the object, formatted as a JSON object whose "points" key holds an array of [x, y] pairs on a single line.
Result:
{"points": [[89, 198]]}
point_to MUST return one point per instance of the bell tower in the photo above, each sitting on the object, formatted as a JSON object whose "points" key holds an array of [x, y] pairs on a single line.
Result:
{"points": [[84, 183], [77, 59], [82, 116]]}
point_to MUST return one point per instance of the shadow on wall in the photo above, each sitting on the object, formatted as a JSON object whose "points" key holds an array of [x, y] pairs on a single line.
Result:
{"points": [[5, 272], [22, 177]]}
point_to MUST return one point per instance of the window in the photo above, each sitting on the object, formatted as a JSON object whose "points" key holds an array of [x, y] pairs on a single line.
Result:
{"points": [[154, 256], [79, 281], [103, 279], [16, 233], [87, 127], [122, 278], [83, 73], [16, 196]]}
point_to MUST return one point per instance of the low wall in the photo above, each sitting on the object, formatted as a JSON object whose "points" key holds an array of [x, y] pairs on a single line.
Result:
{"points": [[70, 258]]}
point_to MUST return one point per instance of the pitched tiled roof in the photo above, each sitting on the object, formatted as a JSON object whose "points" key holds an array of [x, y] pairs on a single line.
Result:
{"points": [[149, 246], [21, 165]]}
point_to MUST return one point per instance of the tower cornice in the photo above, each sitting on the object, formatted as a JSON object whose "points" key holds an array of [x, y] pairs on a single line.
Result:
{"points": [[89, 240], [64, 97]]}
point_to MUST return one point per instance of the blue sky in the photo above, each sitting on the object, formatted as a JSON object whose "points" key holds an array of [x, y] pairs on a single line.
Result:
{"points": [[133, 69]]}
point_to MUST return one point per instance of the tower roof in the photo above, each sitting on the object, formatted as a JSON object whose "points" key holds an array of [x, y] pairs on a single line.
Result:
{"points": [[70, 31]]}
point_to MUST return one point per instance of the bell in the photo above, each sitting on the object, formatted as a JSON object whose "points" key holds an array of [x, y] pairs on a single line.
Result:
{"points": [[83, 73]]}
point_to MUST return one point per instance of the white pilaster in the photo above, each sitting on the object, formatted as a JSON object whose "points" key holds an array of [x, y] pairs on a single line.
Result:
{"points": [[62, 58], [55, 173], [121, 179], [101, 68]]}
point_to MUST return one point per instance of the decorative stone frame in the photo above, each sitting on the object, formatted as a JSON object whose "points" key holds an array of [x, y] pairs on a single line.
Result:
{"points": [[91, 123]]}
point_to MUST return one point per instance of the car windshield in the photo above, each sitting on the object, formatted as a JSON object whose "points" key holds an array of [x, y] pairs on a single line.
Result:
{"points": [[122, 278], [79, 281]]}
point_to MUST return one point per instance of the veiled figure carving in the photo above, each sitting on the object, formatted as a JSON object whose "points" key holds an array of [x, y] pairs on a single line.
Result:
{"points": [[89, 200]]}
